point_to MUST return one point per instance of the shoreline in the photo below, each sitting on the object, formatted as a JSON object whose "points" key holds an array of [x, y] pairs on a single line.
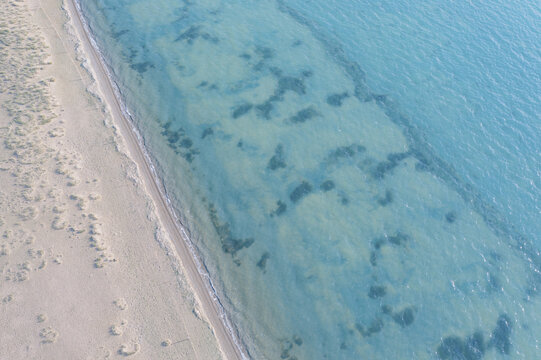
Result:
{"points": [[225, 332]]}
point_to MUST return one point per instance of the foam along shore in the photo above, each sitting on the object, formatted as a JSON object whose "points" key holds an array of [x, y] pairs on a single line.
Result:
{"points": [[93, 264]]}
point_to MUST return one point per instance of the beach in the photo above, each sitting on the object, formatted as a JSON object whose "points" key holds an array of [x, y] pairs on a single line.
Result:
{"points": [[94, 264], [269, 180]]}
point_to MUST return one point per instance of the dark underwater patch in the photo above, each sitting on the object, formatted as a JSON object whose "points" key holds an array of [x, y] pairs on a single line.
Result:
{"points": [[500, 338], [230, 245], [377, 291], [262, 263], [276, 71], [189, 156], [454, 348], [304, 115], [117, 34], [265, 52], [264, 110], [493, 283], [393, 160], [327, 185], [373, 258], [277, 161], [186, 143], [142, 67], [300, 191], [450, 217], [375, 327], [336, 99], [381, 99], [207, 132], [289, 83], [190, 35], [474, 346], [193, 33], [398, 239], [281, 208], [405, 317], [179, 142], [387, 199], [345, 152], [241, 110]]}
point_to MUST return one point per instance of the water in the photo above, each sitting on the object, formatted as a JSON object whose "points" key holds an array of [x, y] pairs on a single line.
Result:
{"points": [[362, 180]]}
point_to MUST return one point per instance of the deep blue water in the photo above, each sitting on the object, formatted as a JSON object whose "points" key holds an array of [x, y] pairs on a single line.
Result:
{"points": [[362, 179]]}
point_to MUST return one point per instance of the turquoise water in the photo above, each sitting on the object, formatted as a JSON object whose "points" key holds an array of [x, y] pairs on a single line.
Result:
{"points": [[362, 180]]}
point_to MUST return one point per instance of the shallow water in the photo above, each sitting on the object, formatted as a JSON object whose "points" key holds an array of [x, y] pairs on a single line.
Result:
{"points": [[355, 186]]}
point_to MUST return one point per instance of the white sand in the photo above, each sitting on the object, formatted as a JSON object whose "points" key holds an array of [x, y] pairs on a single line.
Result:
{"points": [[92, 265]]}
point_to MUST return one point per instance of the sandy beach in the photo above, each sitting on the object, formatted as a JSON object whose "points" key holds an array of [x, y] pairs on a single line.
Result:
{"points": [[93, 264]]}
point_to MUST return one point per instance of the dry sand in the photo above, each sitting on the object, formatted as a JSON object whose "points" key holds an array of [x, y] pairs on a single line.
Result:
{"points": [[92, 264]]}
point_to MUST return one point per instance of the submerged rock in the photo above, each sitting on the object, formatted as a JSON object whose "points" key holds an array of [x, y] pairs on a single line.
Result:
{"points": [[344, 152], [327, 185], [304, 115], [281, 208], [277, 161], [405, 317], [399, 239], [264, 110], [336, 99], [500, 338], [450, 217], [241, 110], [377, 291], [232, 246], [262, 263], [297, 340], [387, 199], [207, 132], [393, 160], [289, 83], [300, 191], [375, 327], [454, 348]]}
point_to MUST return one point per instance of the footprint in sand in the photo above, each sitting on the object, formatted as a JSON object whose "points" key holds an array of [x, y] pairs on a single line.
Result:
{"points": [[41, 318], [102, 354], [118, 330], [56, 132], [166, 343], [121, 304], [7, 299], [104, 258], [48, 335], [94, 196], [58, 259], [127, 350], [4, 250], [58, 223]]}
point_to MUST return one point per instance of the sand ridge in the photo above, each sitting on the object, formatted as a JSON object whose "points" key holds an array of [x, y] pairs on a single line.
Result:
{"points": [[86, 269]]}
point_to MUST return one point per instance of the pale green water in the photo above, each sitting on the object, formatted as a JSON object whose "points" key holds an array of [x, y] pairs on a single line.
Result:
{"points": [[329, 224]]}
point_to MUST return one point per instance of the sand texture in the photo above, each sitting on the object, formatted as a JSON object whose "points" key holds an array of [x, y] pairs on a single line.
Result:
{"points": [[89, 265]]}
